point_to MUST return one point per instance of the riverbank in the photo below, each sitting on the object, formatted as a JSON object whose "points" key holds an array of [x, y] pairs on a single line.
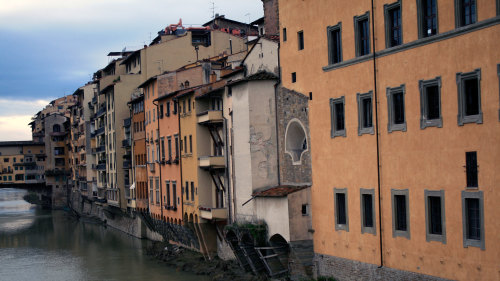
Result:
{"points": [[189, 261]]}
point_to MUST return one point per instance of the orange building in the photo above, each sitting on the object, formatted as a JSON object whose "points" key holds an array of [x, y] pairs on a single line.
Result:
{"points": [[170, 154], [140, 175], [403, 111]]}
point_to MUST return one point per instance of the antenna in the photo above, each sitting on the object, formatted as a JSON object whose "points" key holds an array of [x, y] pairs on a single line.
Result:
{"points": [[212, 8]]}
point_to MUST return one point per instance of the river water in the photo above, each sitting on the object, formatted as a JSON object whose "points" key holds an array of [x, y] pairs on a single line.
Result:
{"points": [[38, 244]]}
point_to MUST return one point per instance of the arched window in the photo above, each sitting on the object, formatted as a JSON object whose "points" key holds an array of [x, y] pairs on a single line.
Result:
{"points": [[56, 128], [296, 141]]}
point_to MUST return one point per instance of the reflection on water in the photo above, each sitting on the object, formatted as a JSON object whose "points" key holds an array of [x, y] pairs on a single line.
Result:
{"points": [[38, 244]]}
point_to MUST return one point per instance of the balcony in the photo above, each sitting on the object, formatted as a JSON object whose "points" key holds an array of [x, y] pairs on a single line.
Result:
{"points": [[100, 149], [99, 131], [126, 122], [213, 213], [126, 143], [211, 162], [211, 116], [101, 167], [127, 165], [100, 112]]}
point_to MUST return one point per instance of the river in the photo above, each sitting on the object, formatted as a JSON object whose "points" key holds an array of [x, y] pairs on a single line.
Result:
{"points": [[37, 244]]}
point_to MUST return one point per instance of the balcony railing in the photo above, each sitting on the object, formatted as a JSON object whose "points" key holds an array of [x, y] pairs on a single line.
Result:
{"points": [[100, 112], [126, 122], [127, 164], [101, 167], [211, 162], [126, 143], [99, 131], [211, 116], [213, 213]]}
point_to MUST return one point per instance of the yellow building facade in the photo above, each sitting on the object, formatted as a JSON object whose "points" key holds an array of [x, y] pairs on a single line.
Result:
{"points": [[404, 108]]}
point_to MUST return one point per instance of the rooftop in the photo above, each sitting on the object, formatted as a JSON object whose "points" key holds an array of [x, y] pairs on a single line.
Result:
{"points": [[279, 191]]}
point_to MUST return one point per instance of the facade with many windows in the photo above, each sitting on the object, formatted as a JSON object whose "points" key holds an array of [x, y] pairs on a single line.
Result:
{"points": [[404, 121]]}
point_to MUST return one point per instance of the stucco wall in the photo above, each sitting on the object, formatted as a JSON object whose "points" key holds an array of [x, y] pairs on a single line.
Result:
{"points": [[274, 211]]}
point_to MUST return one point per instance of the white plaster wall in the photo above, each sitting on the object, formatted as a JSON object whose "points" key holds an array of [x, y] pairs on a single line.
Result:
{"points": [[274, 211], [263, 56], [242, 158]]}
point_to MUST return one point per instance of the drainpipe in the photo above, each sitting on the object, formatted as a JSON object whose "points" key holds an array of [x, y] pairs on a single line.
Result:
{"points": [[278, 83], [158, 122], [375, 96], [228, 185]]}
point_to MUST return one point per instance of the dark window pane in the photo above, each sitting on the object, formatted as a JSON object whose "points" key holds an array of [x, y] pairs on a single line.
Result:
{"points": [[429, 11], [341, 210], [336, 45], [432, 93], [398, 107], [368, 210], [473, 218], [395, 26], [471, 97], [471, 168], [339, 116], [367, 113], [364, 38], [301, 40], [284, 34], [435, 223], [400, 204]]}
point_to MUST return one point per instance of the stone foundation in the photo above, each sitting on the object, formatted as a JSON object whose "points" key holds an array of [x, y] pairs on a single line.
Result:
{"points": [[349, 270]]}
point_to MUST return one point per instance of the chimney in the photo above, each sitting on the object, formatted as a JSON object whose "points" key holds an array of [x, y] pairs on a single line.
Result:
{"points": [[271, 17]]}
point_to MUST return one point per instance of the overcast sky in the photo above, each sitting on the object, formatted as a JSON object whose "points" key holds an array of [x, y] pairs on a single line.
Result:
{"points": [[49, 48]]}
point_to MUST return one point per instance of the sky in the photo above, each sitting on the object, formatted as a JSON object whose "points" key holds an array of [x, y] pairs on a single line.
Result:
{"points": [[49, 48]]}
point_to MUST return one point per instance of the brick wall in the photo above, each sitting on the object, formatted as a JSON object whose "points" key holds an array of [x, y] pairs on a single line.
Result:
{"points": [[271, 17]]}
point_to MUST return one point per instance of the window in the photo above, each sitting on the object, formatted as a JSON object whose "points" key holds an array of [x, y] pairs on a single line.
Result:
{"points": [[465, 12], [192, 191], [169, 147], [469, 97], [362, 34], [187, 191], [471, 169], [189, 104], [176, 105], [427, 18], [393, 25], [151, 193], [294, 77], [341, 215], [430, 103], [160, 114], [174, 194], [434, 215], [396, 109], [167, 185], [473, 219], [162, 149], [185, 144], [305, 209], [176, 146], [367, 199], [300, 37], [157, 189], [190, 144], [167, 104], [334, 34], [284, 34], [56, 128], [6, 160], [400, 213], [365, 113], [337, 117]]}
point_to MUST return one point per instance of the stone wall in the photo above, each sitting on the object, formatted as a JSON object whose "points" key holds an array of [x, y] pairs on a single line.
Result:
{"points": [[293, 105], [349, 270]]}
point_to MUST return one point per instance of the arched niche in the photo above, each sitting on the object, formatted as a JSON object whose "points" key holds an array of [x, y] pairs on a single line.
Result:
{"points": [[296, 143]]}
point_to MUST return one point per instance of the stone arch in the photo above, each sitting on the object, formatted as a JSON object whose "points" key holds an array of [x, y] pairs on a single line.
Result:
{"points": [[191, 218], [296, 143], [196, 218]]}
